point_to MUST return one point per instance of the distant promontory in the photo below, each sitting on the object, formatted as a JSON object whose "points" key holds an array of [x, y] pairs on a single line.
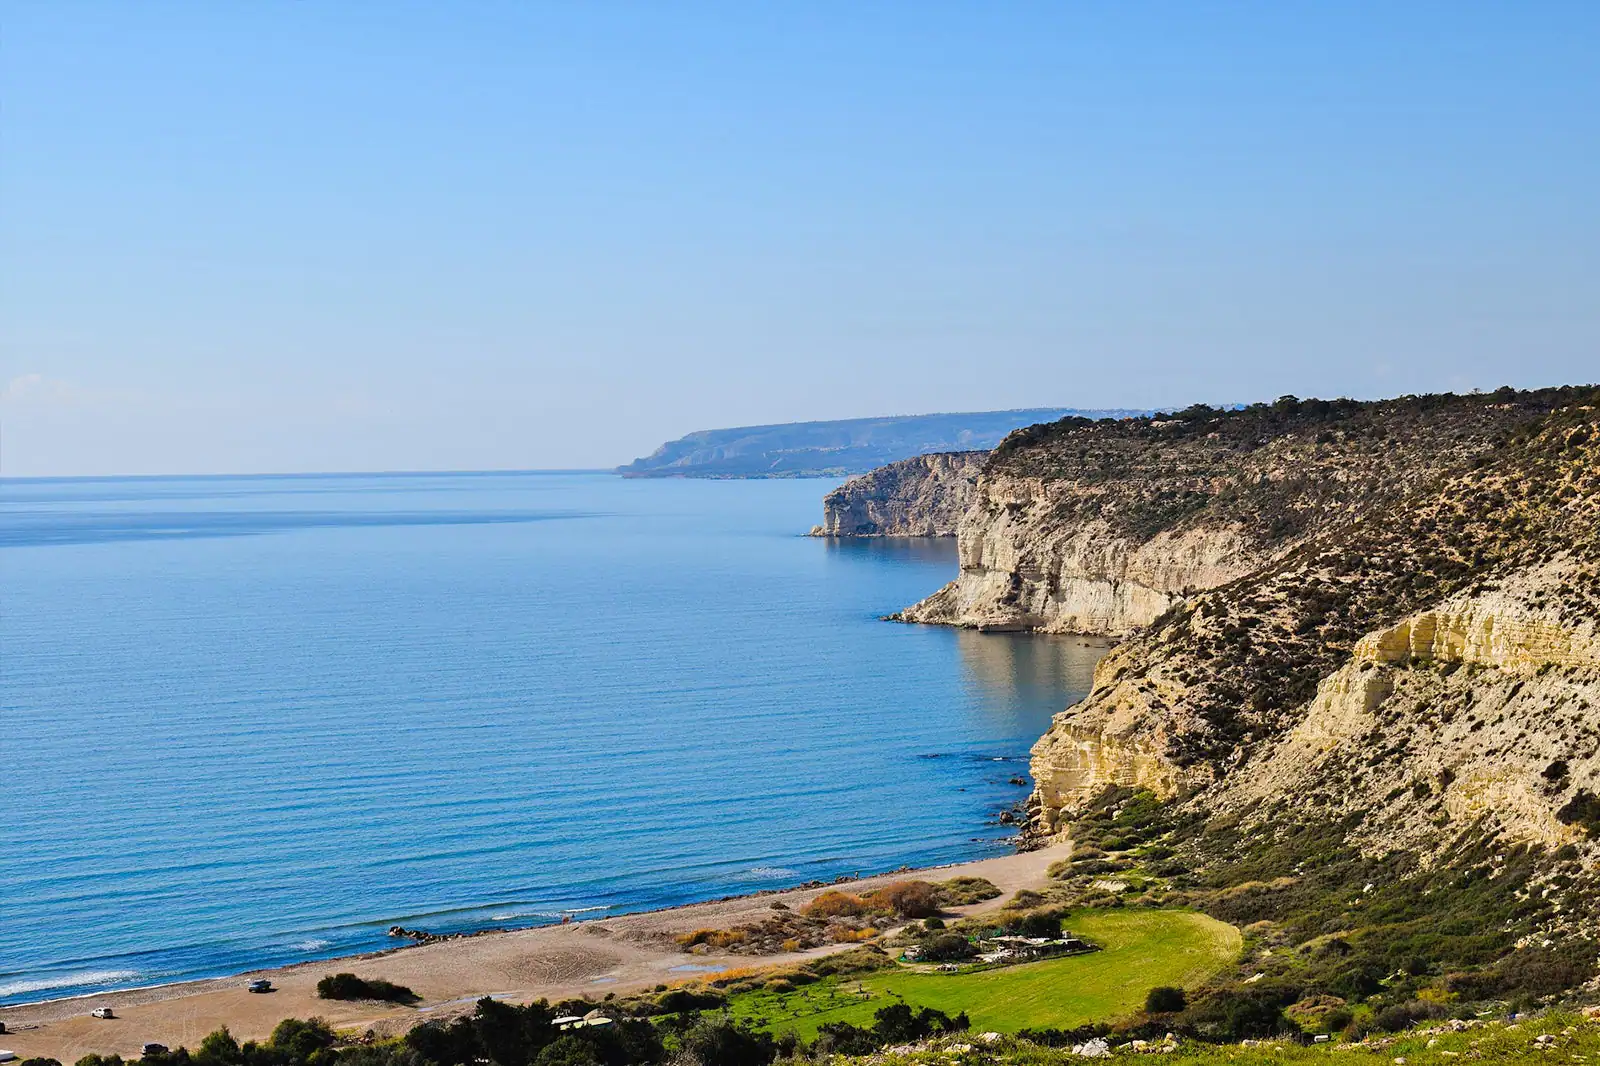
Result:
{"points": [[847, 446]]}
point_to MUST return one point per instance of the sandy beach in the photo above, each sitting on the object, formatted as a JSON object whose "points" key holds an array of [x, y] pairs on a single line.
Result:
{"points": [[619, 954]]}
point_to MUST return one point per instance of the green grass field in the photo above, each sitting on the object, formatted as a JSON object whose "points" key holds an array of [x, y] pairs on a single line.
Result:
{"points": [[1143, 948]]}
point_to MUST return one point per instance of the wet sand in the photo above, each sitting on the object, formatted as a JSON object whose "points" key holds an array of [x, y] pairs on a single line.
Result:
{"points": [[622, 954]]}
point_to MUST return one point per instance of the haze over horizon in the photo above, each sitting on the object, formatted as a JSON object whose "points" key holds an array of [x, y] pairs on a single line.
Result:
{"points": [[286, 238]]}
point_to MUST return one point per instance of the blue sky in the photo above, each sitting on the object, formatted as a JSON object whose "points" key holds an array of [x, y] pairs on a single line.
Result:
{"points": [[361, 235]]}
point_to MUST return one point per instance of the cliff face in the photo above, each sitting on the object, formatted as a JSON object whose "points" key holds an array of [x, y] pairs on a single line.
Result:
{"points": [[1429, 665], [1100, 527], [924, 496]]}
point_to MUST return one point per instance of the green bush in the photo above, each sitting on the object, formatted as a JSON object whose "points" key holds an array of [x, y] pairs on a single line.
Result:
{"points": [[678, 1000], [349, 986], [1165, 999], [948, 947]]}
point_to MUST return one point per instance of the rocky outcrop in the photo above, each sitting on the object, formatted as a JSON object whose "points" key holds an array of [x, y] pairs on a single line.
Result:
{"points": [[1102, 526], [924, 496], [1425, 666]]}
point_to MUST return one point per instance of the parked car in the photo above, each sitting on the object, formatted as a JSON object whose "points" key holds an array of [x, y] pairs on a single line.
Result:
{"points": [[153, 1049], [260, 984], [101, 1012]]}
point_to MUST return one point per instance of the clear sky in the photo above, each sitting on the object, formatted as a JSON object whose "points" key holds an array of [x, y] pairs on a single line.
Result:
{"points": [[361, 235]]}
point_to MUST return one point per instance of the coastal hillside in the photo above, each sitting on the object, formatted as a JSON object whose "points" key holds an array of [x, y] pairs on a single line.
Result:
{"points": [[849, 446], [1435, 658], [1356, 711], [1377, 752], [1099, 527], [924, 496]]}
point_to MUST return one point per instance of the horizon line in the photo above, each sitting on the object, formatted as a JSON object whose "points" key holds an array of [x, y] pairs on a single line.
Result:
{"points": [[486, 472]]}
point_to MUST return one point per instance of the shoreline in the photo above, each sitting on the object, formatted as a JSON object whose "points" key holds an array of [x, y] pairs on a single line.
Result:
{"points": [[620, 953], [577, 915]]}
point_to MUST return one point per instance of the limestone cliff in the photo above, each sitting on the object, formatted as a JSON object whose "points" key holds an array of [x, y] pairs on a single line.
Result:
{"points": [[1101, 526], [923, 496], [1425, 666]]}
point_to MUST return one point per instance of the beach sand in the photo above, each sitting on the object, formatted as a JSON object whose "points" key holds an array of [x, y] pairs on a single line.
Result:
{"points": [[621, 954]]}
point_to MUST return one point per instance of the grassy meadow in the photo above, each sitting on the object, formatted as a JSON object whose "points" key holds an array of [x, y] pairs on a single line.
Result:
{"points": [[1142, 949]]}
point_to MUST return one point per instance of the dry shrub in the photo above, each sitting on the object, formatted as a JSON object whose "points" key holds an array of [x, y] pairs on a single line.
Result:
{"points": [[846, 935], [735, 974], [907, 899], [713, 938], [792, 944], [961, 891], [1025, 899], [835, 904]]}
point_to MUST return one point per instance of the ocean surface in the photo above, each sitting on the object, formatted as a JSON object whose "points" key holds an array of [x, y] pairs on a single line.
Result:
{"points": [[258, 720]]}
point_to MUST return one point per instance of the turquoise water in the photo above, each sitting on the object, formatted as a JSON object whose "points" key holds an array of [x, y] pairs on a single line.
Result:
{"points": [[250, 721]]}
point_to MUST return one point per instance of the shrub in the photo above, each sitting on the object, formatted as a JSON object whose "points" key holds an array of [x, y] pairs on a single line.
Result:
{"points": [[1401, 1016], [864, 959], [948, 947], [717, 1042], [963, 891], [1165, 999], [1322, 1013], [897, 1023], [568, 1050], [678, 1000], [1237, 1012], [1038, 923], [835, 904], [907, 899], [933, 925], [349, 986], [714, 938], [301, 1039]]}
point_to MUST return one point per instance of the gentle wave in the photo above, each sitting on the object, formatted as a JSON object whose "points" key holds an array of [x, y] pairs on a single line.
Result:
{"points": [[71, 980], [773, 872]]}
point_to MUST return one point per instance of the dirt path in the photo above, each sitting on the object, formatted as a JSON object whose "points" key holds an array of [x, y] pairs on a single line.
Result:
{"points": [[621, 954]]}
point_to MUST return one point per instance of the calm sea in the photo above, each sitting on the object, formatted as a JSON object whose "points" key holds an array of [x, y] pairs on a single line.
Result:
{"points": [[250, 721]]}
